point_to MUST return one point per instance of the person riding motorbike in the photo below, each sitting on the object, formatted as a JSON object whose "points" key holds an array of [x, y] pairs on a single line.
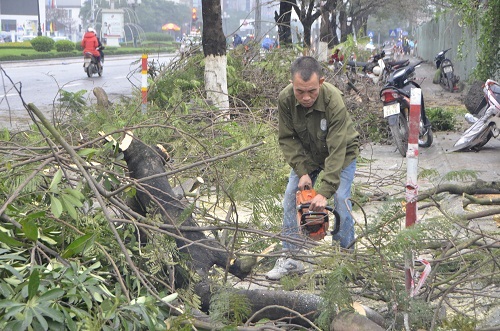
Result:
{"points": [[90, 44]]}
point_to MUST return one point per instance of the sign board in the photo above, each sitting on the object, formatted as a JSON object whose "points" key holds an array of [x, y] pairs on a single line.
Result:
{"points": [[247, 24], [393, 33], [370, 34], [112, 23]]}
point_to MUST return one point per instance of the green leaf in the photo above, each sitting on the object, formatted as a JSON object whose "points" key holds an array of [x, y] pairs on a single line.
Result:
{"points": [[55, 293], [170, 297], [56, 206], [48, 240], [28, 318], [69, 207], [12, 270], [72, 199], [76, 193], [30, 229], [56, 180], [33, 283], [43, 323], [79, 245], [35, 215], [9, 241], [13, 310], [55, 315], [10, 304], [87, 152]]}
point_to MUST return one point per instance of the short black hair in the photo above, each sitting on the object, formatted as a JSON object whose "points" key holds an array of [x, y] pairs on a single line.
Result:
{"points": [[306, 66]]}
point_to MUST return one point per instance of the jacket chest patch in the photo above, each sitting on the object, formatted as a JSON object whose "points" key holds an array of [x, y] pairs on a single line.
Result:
{"points": [[322, 124]]}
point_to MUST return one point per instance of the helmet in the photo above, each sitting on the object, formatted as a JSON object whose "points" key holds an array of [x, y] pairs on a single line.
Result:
{"points": [[91, 30], [377, 70]]}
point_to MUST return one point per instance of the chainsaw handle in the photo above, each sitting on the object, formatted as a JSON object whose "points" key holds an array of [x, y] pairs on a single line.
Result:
{"points": [[330, 209]]}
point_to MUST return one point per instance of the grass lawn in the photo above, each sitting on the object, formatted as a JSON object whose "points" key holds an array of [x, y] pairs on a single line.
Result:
{"points": [[24, 51]]}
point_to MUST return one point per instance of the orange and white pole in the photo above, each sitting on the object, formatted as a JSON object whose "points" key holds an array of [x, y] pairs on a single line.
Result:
{"points": [[144, 85]]}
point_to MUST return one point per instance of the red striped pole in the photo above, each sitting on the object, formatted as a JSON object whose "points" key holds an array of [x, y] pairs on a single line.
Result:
{"points": [[144, 85], [412, 175]]}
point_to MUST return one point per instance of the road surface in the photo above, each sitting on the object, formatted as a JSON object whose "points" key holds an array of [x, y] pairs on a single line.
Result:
{"points": [[40, 82]]}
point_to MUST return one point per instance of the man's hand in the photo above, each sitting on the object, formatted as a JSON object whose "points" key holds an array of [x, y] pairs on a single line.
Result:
{"points": [[305, 183], [318, 203]]}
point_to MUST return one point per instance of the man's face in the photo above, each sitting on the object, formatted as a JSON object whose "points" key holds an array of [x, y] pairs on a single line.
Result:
{"points": [[306, 92]]}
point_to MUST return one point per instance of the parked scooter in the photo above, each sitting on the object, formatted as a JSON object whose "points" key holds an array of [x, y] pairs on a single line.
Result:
{"points": [[447, 78], [486, 124], [91, 65], [392, 66], [375, 68], [396, 98]]}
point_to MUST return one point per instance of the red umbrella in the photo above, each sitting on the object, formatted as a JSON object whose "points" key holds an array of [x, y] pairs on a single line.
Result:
{"points": [[171, 27]]}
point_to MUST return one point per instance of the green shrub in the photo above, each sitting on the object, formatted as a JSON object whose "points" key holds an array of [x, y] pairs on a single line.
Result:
{"points": [[441, 119], [64, 46], [42, 44], [158, 36], [16, 45]]}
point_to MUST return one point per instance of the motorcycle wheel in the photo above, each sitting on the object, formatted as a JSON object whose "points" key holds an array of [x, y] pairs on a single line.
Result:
{"points": [[443, 81], [450, 79], [425, 138], [400, 133], [485, 140], [89, 71]]}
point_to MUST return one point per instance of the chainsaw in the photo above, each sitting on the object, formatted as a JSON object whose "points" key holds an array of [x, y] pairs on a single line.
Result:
{"points": [[314, 224]]}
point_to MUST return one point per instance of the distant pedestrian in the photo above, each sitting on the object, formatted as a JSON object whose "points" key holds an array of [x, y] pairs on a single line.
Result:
{"points": [[237, 40]]}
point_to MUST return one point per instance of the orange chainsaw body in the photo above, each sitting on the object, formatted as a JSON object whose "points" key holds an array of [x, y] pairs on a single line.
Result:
{"points": [[312, 224]]}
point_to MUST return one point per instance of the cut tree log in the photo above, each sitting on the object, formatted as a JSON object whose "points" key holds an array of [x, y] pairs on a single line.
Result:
{"points": [[146, 163], [102, 97], [295, 307], [478, 187]]}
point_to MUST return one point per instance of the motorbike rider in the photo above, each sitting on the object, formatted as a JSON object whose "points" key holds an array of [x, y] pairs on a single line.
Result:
{"points": [[90, 44], [336, 57]]}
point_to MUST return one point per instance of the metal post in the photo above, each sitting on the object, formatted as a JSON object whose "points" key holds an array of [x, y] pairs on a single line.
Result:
{"points": [[92, 12], [39, 24]]}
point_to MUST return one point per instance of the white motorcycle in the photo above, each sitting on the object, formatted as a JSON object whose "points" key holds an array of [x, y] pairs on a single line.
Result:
{"points": [[485, 124]]}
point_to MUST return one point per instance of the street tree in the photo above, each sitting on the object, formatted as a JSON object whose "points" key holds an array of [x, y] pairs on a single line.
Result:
{"points": [[214, 49]]}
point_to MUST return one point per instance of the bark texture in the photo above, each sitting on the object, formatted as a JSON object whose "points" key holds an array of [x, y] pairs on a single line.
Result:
{"points": [[157, 196]]}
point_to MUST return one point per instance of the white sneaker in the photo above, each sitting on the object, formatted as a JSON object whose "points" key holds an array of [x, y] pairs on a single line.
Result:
{"points": [[285, 266]]}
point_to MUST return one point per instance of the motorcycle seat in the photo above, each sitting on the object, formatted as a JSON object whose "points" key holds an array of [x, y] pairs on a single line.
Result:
{"points": [[398, 63], [356, 64]]}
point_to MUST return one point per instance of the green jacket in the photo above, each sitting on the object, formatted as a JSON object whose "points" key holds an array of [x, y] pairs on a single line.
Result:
{"points": [[322, 137]]}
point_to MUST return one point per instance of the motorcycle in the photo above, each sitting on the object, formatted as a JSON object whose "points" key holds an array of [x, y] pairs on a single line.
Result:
{"points": [[373, 70], [395, 96], [447, 78], [486, 124], [91, 65]]}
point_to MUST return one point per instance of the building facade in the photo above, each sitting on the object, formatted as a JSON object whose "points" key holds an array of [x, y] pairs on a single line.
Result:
{"points": [[29, 17]]}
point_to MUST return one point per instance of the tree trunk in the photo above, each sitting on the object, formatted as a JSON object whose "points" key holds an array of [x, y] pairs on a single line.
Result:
{"points": [[325, 37], [214, 48], [156, 196], [295, 307], [283, 20], [258, 20]]}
